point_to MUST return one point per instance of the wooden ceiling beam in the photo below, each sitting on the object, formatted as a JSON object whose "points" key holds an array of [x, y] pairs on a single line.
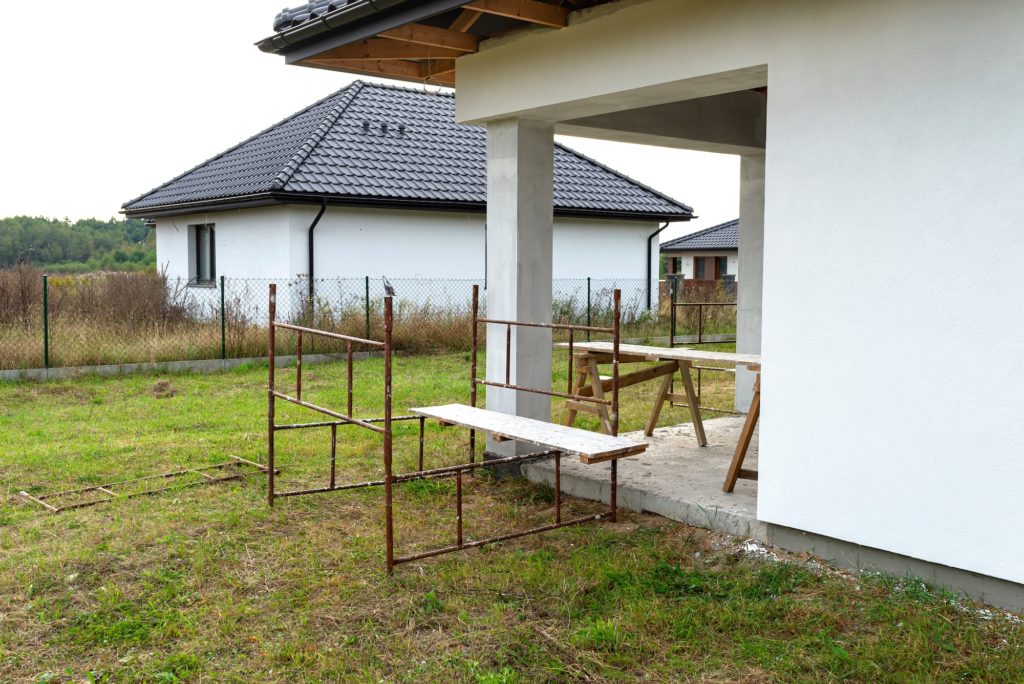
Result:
{"points": [[421, 34], [524, 10], [441, 73], [381, 48], [396, 69], [465, 20]]}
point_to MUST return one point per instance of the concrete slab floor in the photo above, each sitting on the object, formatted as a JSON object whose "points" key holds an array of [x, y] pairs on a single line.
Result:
{"points": [[674, 478]]}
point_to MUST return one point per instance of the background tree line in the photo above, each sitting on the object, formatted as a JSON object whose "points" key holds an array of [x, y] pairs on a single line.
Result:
{"points": [[61, 246]]}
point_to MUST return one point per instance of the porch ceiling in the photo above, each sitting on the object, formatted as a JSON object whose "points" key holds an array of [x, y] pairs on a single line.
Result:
{"points": [[409, 40], [730, 123]]}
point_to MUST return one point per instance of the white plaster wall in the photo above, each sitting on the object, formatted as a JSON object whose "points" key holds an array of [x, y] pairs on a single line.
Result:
{"points": [[891, 406], [250, 243], [352, 242]]}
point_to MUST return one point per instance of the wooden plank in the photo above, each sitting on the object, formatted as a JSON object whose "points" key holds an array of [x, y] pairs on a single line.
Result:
{"points": [[529, 11], [648, 353], [630, 379], [585, 444], [384, 48], [408, 71], [434, 36], [580, 407], [590, 460]]}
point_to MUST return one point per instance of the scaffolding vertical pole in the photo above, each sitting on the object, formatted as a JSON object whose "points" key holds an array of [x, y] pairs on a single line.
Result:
{"points": [[271, 363], [334, 451], [616, 332], [472, 367], [389, 530]]}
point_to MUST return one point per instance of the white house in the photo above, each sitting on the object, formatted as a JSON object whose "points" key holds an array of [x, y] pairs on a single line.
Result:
{"points": [[380, 181], [708, 254], [881, 155]]}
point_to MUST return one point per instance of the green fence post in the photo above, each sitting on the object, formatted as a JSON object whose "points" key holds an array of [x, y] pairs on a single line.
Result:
{"points": [[46, 321], [588, 307], [223, 326], [367, 302]]}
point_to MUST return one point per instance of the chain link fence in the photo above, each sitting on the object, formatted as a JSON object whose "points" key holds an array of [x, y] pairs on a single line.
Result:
{"points": [[120, 318]]}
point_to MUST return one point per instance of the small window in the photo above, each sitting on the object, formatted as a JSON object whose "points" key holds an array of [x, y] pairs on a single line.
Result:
{"points": [[205, 255], [723, 266], [700, 273]]}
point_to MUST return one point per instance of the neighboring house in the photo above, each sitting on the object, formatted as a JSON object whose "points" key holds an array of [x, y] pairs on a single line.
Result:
{"points": [[708, 254], [880, 153], [402, 190]]}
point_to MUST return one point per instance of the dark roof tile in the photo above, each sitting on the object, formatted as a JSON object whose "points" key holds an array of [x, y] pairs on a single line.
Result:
{"points": [[723, 236], [325, 150]]}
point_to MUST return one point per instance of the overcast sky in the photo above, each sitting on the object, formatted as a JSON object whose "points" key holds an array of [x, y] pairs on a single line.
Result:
{"points": [[107, 99]]}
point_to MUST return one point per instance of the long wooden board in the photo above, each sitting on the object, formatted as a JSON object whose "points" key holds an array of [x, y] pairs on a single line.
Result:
{"points": [[668, 353], [591, 447]]}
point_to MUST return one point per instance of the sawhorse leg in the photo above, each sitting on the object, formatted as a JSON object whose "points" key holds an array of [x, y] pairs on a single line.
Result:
{"points": [[587, 367], [736, 470], [665, 394]]}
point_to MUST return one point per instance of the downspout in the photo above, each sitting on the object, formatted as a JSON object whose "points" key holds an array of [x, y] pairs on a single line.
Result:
{"points": [[312, 227], [649, 260]]}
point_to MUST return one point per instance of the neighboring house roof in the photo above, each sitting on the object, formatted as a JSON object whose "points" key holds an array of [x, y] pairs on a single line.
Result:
{"points": [[724, 236], [370, 144]]}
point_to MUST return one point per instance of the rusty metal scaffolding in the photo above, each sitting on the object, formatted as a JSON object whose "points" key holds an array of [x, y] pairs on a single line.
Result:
{"points": [[383, 425], [475, 382], [109, 492]]}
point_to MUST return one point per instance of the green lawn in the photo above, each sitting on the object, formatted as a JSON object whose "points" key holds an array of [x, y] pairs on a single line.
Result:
{"points": [[209, 584]]}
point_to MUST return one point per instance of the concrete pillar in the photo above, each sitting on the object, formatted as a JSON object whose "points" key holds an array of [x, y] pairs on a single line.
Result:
{"points": [[751, 270], [520, 172]]}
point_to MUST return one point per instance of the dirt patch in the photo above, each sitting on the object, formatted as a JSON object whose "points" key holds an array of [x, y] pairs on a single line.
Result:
{"points": [[164, 389]]}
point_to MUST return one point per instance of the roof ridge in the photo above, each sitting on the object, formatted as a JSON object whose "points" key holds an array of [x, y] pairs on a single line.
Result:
{"points": [[292, 165], [244, 142], [626, 178]]}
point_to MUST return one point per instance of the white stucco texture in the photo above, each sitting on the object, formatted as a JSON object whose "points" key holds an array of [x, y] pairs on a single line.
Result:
{"points": [[351, 242], [892, 242]]}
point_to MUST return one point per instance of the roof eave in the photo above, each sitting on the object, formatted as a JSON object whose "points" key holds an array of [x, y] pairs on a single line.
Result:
{"points": [[349, 24], [666, 249], [277, 198]]}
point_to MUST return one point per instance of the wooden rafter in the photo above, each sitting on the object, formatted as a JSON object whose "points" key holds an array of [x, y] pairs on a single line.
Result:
{"points": [[524, 10], [419, 52], [381, 48], [465, 20], [433, 36]]}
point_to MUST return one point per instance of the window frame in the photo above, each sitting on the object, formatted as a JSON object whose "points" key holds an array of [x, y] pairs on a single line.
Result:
{"points": [[197, 233]]}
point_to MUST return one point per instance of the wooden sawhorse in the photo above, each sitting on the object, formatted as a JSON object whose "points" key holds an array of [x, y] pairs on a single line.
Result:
{"points": [[590, 382]]}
